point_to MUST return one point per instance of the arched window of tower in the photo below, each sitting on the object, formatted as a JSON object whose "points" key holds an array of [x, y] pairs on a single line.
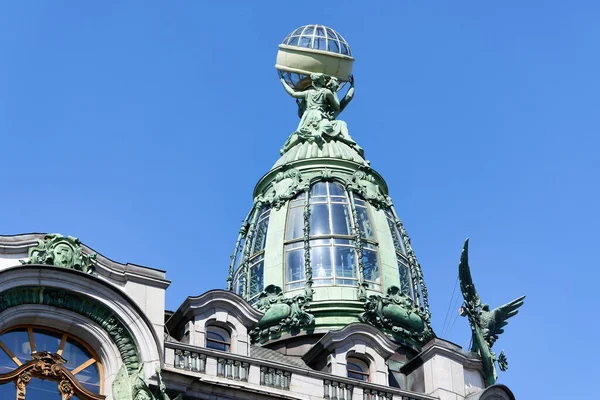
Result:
{"points": [[332, 231]]}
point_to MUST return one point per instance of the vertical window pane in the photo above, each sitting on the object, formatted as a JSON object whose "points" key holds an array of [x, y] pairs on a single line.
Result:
{"points": [[405, 281], [17, 341], [8, 391], [318, 189], [38, 389], [239, 257], [398, 245], [46, 340], [305, 41], [336, 189], [320, 259], [364, 224], [257, 278], [294, 261], [344, 260], [75, 354], [319, 220], [90, 378], [333, 46], [238, 285], [370, 265], [6, 365], [295, 223], [340, 218], [344, 48], [320, 43], [260, 235]]}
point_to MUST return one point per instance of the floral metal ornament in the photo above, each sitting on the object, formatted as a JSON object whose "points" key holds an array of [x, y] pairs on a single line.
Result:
{"points": [[365, 184], [486, 325], [281, 313], [398, 314], [61, 251]]}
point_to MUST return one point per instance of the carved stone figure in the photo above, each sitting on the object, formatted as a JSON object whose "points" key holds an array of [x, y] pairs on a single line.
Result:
{"points": [[319, 107], [486, 325], [366, 185], [61, 251], [281, 312], [286, 184], [134, 387], [397, 313]]}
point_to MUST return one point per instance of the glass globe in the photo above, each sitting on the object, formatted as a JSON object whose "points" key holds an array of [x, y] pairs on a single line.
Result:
{"points": [[327, 50]]}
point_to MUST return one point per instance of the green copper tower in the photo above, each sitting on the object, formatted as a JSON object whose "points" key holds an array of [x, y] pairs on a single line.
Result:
{"points": [[323, 246]]}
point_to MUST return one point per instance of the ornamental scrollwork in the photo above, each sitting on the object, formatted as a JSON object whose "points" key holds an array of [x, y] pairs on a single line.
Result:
{"points": [[51, 366], [398, 314], [285, 186], [82, 305], [62, 251], [365, 184], [281, 313]]}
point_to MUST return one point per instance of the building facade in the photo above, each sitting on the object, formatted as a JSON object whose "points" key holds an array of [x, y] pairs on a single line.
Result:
{"points": [[325, 297]]}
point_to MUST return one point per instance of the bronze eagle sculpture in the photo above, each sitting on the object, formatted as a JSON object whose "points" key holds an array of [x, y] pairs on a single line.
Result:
{"points": [[486, 325]]}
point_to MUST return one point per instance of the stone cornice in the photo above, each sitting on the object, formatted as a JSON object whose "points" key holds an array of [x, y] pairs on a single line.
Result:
{"points": [[234, 304], [447, 349], [357, 330], [105, 267]]}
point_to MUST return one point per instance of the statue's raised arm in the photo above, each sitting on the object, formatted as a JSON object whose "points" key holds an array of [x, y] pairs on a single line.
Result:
{"points": [[349, 95], [292, 92]]}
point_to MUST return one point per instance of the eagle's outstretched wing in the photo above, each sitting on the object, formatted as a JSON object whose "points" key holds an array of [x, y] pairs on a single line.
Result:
{"points": [[472, 301], [501, 315]]}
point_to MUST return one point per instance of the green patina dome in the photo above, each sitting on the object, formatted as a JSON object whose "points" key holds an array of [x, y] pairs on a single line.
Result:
{"points": [[323, 246]]}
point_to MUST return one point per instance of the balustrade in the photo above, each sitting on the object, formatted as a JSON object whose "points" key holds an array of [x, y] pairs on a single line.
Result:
{"points": [[276, 378], [265, 373]]}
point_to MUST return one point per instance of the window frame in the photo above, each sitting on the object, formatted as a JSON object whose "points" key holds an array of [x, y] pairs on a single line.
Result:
{"points": [[308, 199], [401, 258], [224, 342], [352, 359], [65, 336]]}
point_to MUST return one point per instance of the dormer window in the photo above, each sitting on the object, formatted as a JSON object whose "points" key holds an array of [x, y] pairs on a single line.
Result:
{"points": [[357, 369], [217, 338]]}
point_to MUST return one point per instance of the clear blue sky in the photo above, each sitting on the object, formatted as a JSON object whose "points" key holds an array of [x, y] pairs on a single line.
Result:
{"points": [[141, 127]]}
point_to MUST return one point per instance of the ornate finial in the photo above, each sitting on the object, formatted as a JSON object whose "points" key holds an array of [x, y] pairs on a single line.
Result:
{"points": [[61, 251], [486, 325]]}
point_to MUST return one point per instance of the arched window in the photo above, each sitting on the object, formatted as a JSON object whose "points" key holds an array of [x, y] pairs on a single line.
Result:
{"points": [[332, 238], [406, 284], [20, 345], [357, 369], [253, 276], [218, 338]]}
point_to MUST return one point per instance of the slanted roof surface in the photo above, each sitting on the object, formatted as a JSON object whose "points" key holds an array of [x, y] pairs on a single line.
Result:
{"points": [[262, 353]]}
